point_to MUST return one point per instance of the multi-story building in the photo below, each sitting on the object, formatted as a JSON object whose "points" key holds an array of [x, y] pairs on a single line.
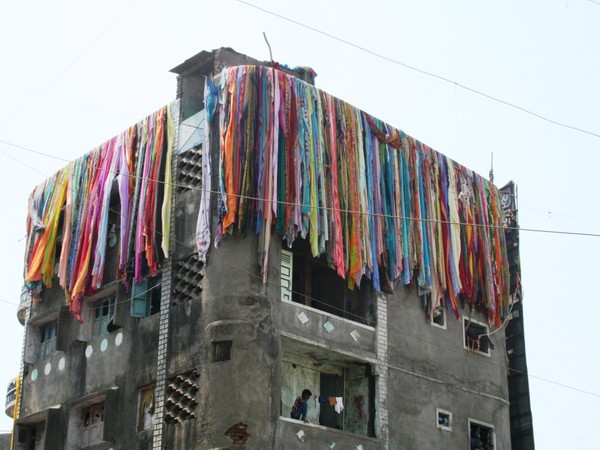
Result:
{"points": [[353, 261]]}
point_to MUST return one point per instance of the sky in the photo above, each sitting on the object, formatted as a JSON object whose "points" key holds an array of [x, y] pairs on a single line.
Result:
{"points": [[76, 73]]}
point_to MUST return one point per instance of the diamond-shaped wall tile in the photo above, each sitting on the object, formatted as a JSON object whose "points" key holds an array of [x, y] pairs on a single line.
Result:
{"points": [[355, 335], [302, 317], [328, 326]]}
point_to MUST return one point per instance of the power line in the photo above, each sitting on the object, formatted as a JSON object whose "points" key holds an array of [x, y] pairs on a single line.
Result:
{"points": [[73, 62], [424, 72], [83, 105], [327, 208], [313, 300]]}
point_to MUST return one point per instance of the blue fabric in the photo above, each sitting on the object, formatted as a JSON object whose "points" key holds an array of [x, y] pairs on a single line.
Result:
{"points": [[300, 412]]}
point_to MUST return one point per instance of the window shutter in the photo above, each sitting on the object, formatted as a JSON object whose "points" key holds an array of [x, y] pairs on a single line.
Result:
{"points": [[140, 304], [287, 268]]}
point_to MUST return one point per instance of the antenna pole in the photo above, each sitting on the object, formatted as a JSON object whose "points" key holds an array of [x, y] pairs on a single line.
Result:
{"points": [[268, 45]]}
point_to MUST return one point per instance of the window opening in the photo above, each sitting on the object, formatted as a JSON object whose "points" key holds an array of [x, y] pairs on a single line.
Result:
{"points": [[443, 419], [438, 318], [222, 351], [314, 283], [332, 385], [104, 314], [91, 428], [476, 337], [343, 389], [48, 339], [146, 408], [145, 297], [482, 435], [23, 436]]}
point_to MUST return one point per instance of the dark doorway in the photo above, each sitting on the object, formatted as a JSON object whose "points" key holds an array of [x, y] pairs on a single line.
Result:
{"points": [[331, 386]]}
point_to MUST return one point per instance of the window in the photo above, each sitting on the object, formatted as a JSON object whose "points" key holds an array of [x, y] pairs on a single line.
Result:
{"points": [[42, 338], [146, 408], [482, 435], [47, 340], [312, 282], [443, 419], [343, 388], [222, 351], [30, 436], [476, 337], [103, 316], [438, 317], [91, 425], [145, 298], [11, 392]]}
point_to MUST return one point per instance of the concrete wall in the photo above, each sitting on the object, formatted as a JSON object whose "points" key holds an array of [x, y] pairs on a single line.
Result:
{"points": [[234, 306], [295, 435], [429, 368], [5, 441], [123, 359]]}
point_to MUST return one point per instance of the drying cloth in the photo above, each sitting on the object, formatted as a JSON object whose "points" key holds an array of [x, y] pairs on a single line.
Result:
{"points": [[339, 405], [379, 204]]}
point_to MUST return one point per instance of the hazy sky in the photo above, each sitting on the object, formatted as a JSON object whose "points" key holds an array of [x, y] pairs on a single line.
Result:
{"points": [[76, 73]]}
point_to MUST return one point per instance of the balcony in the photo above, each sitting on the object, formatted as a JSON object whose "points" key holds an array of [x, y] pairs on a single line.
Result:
{"points": [[11, 397], [293, 434], [316, 327]]}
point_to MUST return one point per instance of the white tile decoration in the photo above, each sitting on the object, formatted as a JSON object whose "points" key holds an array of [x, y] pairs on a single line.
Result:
{"points": [[355, 335], [359, 447], [302, 317], [300, 435], [328, 326]]}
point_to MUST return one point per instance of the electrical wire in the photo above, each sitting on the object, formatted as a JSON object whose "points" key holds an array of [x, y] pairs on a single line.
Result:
{"points": [[69, 66], [83, 105], [327, 208], [421, 71], [339, 309]]}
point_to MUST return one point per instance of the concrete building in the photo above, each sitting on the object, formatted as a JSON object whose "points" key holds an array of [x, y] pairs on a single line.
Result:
{"points": [[142, 345]]}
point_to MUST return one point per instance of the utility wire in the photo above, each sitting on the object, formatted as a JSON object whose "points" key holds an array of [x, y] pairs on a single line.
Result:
{"points": [[313, 300], [424, 72], [69, 66], [322, 303], [83, 105], [327, 208]]}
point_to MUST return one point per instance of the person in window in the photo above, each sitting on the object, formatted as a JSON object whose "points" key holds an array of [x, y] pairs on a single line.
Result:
{"points": [[300, 408]]}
